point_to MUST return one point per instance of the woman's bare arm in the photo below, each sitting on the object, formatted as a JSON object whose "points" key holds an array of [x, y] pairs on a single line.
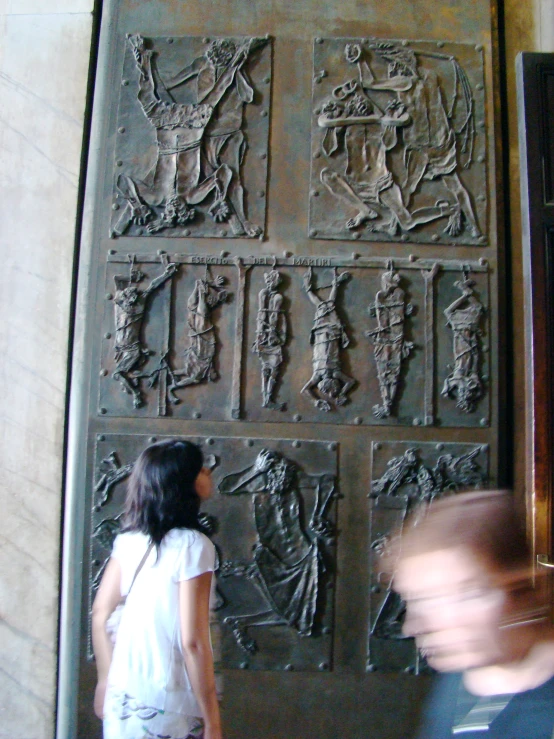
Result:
{"points": [[107, 598], [194, 607]]}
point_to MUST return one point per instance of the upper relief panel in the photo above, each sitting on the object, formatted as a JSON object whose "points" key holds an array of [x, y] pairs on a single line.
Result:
{"points": [[192, 137], [398, 142]]}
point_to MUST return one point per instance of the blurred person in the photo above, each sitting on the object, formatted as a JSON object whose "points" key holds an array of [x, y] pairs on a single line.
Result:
{"points": [[158, 679], [464, 572]]}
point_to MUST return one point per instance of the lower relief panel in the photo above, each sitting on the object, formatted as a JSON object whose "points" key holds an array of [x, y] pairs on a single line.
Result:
{"points": [[405, 478], [272, 518]]}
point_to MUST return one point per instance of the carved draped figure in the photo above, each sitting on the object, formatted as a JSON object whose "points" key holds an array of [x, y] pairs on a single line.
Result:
{"points": [[200, 354], [327, 336], [287, 559]]}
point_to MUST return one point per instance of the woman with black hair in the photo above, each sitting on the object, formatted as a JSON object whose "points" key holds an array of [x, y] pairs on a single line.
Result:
{"points": [[158, 679]]}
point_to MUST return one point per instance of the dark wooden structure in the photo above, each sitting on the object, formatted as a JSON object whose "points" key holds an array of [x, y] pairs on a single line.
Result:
{"points": [[535, 75]]}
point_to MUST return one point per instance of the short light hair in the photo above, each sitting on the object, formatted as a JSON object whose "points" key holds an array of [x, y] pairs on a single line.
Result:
{"points": [[485, 523]]}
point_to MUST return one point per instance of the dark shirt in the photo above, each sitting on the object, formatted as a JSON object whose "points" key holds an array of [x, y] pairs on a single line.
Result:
{"points": [[527, 715]]}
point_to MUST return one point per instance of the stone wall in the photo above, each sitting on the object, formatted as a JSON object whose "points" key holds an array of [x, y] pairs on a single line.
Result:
{"points": [[44, 57]]}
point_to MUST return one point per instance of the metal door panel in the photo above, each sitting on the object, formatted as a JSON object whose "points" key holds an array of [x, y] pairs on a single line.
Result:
{"points": [[182, 130], [180, 336], [429, 92], [406, 476], [427, 365], [244, 588], [415, 325]]}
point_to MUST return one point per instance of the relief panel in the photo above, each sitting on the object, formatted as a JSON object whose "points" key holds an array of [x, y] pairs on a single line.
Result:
{"points": [[360, 341], [192, 137], [367, 341], [169, 337], [406, 477], [398, 141], [273, 520]]}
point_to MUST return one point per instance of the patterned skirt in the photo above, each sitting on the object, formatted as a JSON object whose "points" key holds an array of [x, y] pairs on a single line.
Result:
{"points": [[127, 718]]}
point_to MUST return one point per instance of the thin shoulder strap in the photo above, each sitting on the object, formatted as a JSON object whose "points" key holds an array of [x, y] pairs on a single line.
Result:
{"points": [[141, 564]]}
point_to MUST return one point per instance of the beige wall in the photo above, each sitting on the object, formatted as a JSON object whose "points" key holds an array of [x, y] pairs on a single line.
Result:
{"points": [[44, 51], [44, 54]]}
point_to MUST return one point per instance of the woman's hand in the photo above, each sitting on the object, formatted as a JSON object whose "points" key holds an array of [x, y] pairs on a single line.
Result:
{"points": [[99, 696]]}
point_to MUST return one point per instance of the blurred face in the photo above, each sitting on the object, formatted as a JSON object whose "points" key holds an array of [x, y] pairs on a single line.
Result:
{"points": [[453, 609], [203, 483]]}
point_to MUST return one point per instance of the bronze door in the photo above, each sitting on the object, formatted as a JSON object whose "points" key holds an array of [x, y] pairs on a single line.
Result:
{"points": [[289, 256]]}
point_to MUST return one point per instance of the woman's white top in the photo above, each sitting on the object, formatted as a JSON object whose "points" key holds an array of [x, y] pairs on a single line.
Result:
{"points": [[148, 661]]}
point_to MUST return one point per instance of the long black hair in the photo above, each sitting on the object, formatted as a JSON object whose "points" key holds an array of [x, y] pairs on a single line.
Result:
{"points": [[161, 493]]}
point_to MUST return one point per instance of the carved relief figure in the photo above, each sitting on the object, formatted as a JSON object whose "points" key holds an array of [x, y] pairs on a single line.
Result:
{"points": [[463, 316], [400, 471], [104, 534], [130, 307], [288, 556], [328, 336], [199, 355], [449, 474], [397, 135], [115, 473], [223, 141], [429, 142], [390, 346], [189, 164], [271, 335], [354, 122]]}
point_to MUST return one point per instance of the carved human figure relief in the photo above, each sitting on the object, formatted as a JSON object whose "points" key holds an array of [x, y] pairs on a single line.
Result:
{"points": [[395, 136], [197, 176], [198, 365], [112, 474], [390, 347], [463, 317], [103, 536], [328, 384], [130, 304], [271, 336], [287, 558]]}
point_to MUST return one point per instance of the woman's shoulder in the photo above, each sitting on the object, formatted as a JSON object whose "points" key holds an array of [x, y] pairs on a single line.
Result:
{"points": [[179, 538], [128, 541], [190, 552]]}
